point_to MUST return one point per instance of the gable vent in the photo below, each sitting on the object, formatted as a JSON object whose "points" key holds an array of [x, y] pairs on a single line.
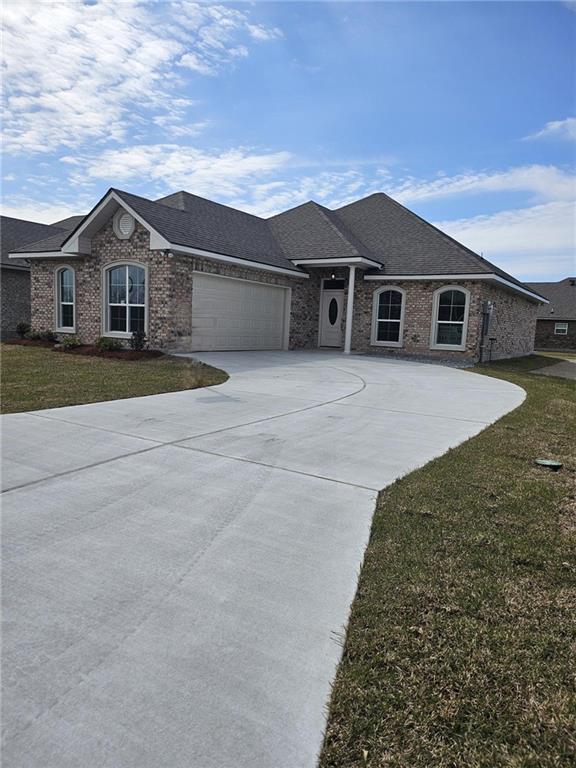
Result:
{"points": [[123, 224]]}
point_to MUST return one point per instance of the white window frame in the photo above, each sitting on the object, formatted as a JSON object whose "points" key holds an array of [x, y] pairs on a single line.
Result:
{"points": [[58, 303], [106, 305], [435, 307], [563, 327], [375, 301]]}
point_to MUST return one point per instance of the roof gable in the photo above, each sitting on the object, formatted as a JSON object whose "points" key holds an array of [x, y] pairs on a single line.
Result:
{"points": [[311, 231]]}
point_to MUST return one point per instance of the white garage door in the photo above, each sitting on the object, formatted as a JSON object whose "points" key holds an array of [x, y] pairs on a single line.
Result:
{"points": [[236, 314]]}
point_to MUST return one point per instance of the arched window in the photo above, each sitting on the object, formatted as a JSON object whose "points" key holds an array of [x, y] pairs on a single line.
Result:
{"points": [[65, 299], [125, 302], [388, 317], [450, 318]]}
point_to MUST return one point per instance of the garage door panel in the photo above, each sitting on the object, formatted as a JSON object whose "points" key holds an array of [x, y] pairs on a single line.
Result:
{"points": [[232, 314]]}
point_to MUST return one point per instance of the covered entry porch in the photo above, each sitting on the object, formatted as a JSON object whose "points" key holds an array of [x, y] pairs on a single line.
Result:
{"points": [[336, 302]]}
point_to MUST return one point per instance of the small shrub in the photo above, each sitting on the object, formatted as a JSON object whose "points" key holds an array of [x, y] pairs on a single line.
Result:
{"points": [[104, 344], [34, 335], [22, 329], [138, 341], [70, 342], [48, 336]]}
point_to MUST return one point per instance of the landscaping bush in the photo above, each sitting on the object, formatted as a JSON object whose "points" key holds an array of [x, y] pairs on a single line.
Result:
{"points": [[138, 341], [104, 344], [22, 329], [48, 336], [34, 335], [70, 342]]}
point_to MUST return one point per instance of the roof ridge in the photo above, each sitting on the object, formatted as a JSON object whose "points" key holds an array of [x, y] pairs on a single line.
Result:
{"points": [[338, 231], [206, 199]]}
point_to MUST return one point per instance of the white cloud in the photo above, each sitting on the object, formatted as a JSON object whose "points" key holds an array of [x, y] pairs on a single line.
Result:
{"points": [[258, 32], [76, 72], [544, 182], [45, 213], [170, 166], [557, 129], [528, 242]]}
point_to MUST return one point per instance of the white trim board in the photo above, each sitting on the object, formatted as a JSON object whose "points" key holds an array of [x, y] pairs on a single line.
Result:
{"points": [[470, 276], [236, 260], [44, 255], [338, 262]]}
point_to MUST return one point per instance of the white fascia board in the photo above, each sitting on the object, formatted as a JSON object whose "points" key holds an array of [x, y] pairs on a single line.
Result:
{"points": [[467, 276], [75, 244], [235, 260], [42, 255], [340, 261]]}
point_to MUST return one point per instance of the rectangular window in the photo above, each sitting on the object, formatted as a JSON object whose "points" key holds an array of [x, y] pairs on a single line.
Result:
{"points": [[450, 319], [388, 320], [67, 316], [560, 329], [449, 333], [126, 285], [117, 318], [65, 291]]}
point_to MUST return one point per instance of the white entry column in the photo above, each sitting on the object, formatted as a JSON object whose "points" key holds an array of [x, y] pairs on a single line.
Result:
{"points": [[349, 311]]}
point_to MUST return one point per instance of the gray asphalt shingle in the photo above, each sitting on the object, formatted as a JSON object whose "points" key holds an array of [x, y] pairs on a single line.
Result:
{"points": [[375, 227], [562, 298]]}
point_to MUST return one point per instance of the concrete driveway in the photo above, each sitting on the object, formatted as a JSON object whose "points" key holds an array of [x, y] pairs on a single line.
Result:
{"points": [[178, 569]]}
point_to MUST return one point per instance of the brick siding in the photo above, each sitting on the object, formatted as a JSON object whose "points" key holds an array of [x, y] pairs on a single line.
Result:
{"points": [[547, 339], [171, 291], [512, 326], [15, 300], [419, 299]]}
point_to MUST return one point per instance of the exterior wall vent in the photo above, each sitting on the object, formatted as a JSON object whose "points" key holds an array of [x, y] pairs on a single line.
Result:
{"points": [[123, 224]]}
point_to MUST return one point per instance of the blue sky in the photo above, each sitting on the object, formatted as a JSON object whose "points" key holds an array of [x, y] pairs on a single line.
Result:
{"points": [[464, 112]]}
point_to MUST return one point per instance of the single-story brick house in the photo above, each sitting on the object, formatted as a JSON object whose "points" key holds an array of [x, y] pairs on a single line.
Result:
{"points": [[556, 321], [15, 273], [369, 277]]}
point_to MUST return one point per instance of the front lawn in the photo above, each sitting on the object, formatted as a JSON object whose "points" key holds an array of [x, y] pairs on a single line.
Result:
{"points": [[34, 378], [460, 652]]}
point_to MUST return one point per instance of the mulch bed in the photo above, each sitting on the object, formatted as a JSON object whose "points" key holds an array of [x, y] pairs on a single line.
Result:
{"points": [[116, 354], [89, 349]]}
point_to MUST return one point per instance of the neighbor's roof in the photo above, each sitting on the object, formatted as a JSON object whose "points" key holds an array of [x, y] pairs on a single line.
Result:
{"points": [[16, 233], [375, 227], [562, 298]]}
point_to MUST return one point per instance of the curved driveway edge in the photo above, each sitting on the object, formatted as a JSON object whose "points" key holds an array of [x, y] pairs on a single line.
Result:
{"points": [[178, 568]]}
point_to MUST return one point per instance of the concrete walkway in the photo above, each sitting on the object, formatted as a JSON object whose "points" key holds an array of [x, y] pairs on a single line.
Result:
{"points": [[565, 370], [178, 569]]}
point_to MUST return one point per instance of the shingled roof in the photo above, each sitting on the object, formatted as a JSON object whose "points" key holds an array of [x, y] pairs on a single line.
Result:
{"points": [[407, 244], [562, 298], [17, 233], [376, 228], [311, 231]]}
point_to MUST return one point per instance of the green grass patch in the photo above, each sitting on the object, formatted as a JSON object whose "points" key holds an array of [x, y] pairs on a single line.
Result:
{"points": [[460, 651], [34, 378]]}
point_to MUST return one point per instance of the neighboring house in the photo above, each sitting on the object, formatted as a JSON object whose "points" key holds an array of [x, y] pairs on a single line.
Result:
{"points": [[15, 273], [556, 322], [196, 275]]}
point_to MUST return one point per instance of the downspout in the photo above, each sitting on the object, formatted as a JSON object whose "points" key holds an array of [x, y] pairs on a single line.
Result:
{"points": [[349, 311]]}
